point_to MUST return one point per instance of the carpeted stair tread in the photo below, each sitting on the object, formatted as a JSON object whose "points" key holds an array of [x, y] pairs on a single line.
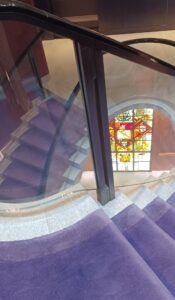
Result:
{"points": [[78, 115], [23, 173], [30, 156], [65, 149], [55, 109], [90, 260], [13, 190], [163, 214], [70, 135], [155, 246], [74, 125], [45, 123], [171, 200], [58, 166], [36, 138]]}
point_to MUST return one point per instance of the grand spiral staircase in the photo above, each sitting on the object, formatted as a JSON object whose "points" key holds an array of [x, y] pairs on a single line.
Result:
{"points": [[56, 240], [123, 250]]}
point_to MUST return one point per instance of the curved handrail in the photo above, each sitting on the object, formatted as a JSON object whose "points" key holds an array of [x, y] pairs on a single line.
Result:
{"points": [[15, 10], [150, 40], [132, 42]]}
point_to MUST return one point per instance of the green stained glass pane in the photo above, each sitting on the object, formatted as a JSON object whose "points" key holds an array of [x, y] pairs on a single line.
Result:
{"points": [[142, 146], [124, 145]]}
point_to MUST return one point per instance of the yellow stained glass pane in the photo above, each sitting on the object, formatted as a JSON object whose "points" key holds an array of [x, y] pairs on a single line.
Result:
{"points": [[142, 146], [124, 134], [111, 132], [141, 131], [124, 157], [113, 145], [143, 112], [145, 115]]}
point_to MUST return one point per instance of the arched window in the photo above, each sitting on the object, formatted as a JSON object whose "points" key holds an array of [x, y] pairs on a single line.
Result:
{"points": [[131, 140]]}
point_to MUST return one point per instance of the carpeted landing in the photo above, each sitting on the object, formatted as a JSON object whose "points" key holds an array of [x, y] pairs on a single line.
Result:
{"points": [[117, 252]]}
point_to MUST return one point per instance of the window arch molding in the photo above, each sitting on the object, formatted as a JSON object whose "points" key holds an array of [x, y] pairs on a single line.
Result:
{"points": [[131, 146], [143, 102]]}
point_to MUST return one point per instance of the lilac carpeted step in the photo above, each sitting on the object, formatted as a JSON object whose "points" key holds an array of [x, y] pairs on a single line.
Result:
{"points": [[155, 246], [70, 135], [77, 117], [30, 156], [72, 131], [44, 122], [65, 149], [73, 128], [55, 109], [23, 173], [171, 200], [88, 261], [58, 166], [16, 191], [163, 214], [36, 138]]}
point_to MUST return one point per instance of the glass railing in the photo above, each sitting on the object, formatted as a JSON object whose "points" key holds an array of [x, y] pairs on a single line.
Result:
{"points": [[45, 148], [123, 113], [141, 118]]}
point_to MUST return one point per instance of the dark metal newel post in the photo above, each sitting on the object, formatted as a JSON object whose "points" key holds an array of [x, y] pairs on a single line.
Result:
{"points": [[92, 81]]}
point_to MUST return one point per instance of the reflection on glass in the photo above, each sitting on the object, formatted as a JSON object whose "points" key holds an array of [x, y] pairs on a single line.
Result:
{"points": [[131, 140]]}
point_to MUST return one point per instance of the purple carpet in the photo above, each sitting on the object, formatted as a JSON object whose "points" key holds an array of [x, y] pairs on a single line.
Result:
{"points": [[171, 200], [155, 246], [35, 170], [163, 214], [90, 260]]}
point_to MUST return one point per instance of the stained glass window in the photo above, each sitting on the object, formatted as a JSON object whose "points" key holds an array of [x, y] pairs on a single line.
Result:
{"points": [[131, 140]]}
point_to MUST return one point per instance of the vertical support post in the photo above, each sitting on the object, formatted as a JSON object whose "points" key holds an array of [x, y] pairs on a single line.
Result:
{"points": [[35, 71], [92, 81]]}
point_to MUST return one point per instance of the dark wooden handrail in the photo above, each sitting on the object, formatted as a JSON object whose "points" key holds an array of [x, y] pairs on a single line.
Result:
{"points": [[16, 10], [150, 40]]}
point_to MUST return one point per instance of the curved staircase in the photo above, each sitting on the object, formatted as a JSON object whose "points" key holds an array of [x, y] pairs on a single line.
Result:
{"points": [[46, 152], [124, 250]]}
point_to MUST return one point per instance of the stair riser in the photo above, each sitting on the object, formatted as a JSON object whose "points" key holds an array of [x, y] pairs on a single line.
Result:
{"points": [[72, 181], [29, 164]]}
